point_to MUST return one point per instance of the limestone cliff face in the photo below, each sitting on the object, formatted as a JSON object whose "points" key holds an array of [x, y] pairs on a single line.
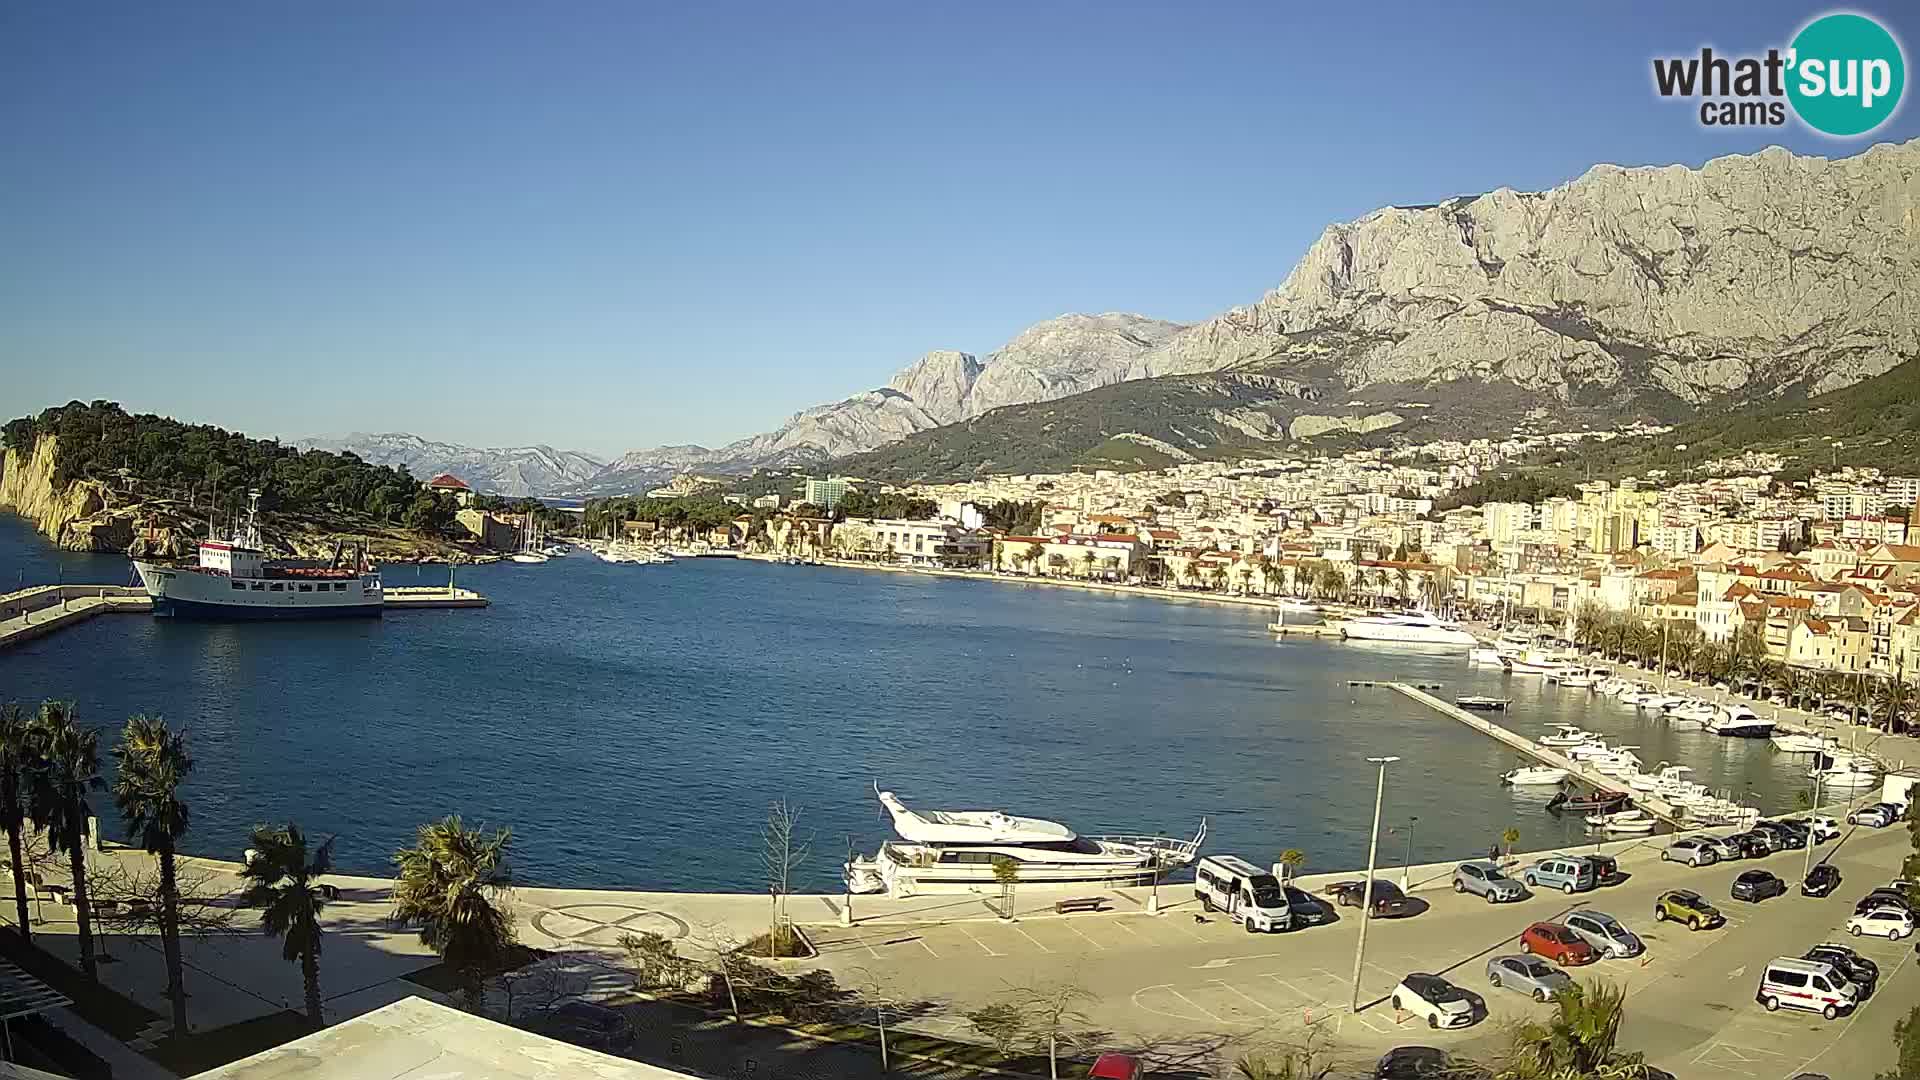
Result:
{"points": [[1657, 286], [74, 517]]}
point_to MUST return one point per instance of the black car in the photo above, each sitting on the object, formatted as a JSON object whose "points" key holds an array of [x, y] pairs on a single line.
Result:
{"points": [[584, 1023], [1821, 880], [1784, 835], [1754, 844], [1307, 909], [1415, 1063], [1387, 897], [1879, 898], [1606, 869], [1756, 885], [1859, 970]]}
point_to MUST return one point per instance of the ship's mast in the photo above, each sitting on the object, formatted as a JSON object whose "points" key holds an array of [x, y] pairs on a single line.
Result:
{"points": [[253, 514]]}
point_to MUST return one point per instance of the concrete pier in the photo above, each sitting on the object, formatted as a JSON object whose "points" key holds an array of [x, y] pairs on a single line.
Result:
{"points": [[432, 596], [1658, 807], [31, 613]]}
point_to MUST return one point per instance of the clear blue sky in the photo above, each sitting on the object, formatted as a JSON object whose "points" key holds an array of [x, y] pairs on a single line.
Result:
{"points": [[604, 226]]}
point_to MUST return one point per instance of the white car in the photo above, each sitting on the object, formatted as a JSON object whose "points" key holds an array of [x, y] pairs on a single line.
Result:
{"points": [[1823, 829], [1883, 922], [1692, 850], [1441, 1003]]}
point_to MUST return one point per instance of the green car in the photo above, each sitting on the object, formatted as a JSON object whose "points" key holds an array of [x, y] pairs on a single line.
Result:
{"points": [[1687, 906]]}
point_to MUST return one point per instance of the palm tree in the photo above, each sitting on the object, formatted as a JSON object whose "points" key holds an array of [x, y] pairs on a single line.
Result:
{"points": [[152, 764], [1246, 580], [1587, 624], [1292, 860], [1087, 559], [1510, 838], [1111, 564], [1056, 563], [1890, 700], [1219, 577], [450, 886], [66, 768], [284, 883], [1035, 552], [1259, 561], [1578, 1039], [16, 753], [1402, 582]]}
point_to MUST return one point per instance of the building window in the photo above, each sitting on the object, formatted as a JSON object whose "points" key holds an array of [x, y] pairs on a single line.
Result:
{"points": [[259, 586], [306, 588], [276, 587], [241, 585]]}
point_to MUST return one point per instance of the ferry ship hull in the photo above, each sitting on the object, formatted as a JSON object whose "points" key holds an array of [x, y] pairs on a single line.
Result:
{"points": [[168, 607]]}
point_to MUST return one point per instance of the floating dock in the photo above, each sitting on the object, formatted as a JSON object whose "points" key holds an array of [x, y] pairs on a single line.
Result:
{"points": [[414, 597], [1313, 630], [1657, 807]]}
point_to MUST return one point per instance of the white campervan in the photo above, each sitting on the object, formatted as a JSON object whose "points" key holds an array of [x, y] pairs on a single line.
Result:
{"points": [[1806, 984], [1249, 895]]}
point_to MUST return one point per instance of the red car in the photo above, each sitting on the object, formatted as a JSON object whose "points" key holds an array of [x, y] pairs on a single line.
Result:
{"points": [[1117, 1067], [1556, 943]]}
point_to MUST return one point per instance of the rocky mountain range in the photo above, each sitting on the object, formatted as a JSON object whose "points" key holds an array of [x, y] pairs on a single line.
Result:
{"points": [[1644, 293], [515, 471], [1053, 359], [1627, 293]]}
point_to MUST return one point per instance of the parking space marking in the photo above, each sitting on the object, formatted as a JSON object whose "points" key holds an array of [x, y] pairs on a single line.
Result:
{"points": [[1236, 992], [983, 945], [1195, 1005], [1030, 937], [1084, 937], [1121, 924], [923, 944]]}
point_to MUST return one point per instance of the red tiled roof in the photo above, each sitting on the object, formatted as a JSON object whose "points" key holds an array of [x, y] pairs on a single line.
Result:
{"points": [[449, 481]]}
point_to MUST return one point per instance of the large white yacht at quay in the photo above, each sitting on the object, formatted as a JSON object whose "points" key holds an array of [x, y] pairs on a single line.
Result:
{"points": [[235, 580], [1407, 628], [955, 851]]}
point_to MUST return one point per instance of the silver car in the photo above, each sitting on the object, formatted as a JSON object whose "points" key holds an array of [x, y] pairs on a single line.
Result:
{"points": [[1605, 933], [1529, 975], [1485, 879], [1692, 850]]}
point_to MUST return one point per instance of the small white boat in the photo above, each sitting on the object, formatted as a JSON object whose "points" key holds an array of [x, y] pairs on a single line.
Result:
{"points": [[1484, 656], [1625, 821], [1483, 704], [1567, 735], [1739, 722], [527, 557], [1792, 743], [1534, 776]]}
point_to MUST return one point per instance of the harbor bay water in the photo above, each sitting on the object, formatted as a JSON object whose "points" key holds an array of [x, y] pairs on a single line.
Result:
{"points": [[632, 723]]}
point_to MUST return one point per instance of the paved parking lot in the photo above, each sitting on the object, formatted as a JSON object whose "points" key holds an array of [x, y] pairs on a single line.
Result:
{"points": [[1173, 978]]}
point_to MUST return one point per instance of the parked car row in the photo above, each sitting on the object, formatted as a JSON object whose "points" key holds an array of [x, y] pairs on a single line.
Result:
{"points": [[1878, 815]]}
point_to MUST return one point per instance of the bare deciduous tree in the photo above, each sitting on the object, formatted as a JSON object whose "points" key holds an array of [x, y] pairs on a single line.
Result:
{"points": [[782, 852]]}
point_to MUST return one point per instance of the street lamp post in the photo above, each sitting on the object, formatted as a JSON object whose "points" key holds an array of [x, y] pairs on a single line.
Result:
{"points": [[1810, 827], [1406, 862], [1373, 851]]}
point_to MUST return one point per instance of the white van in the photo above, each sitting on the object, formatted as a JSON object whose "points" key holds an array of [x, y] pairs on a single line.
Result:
{"points": [[1806, 984], [1249, 895]]}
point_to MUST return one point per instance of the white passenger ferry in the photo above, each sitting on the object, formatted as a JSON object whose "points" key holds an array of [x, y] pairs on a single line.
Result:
{"points": [[955, 851], [235, 580]]}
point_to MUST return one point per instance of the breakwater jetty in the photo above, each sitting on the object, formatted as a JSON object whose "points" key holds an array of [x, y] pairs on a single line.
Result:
{"points": [[34, 612], [1658, 807], [31, 613]]}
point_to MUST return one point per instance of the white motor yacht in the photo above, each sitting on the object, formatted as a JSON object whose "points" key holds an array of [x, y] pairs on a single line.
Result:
{"points": [[1794, 743], [1406, 629], [1486, 656], [1534, 775], [1696, 712], [1841, 769], [1739, 722], [948, 851]]}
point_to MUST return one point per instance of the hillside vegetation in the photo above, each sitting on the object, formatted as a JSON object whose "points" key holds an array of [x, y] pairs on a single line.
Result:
{"points": [[152, 458]]}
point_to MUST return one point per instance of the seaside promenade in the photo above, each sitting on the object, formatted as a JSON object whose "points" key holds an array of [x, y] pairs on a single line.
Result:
{"points": [[1178, 983]]}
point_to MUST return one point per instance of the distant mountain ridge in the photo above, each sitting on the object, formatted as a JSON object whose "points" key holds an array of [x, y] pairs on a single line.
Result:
{"points": [[1645, 293], [516, 471], [1062, 356]]}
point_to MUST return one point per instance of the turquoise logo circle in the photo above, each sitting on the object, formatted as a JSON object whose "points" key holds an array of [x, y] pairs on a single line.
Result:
{"points": [[1847, 74]]}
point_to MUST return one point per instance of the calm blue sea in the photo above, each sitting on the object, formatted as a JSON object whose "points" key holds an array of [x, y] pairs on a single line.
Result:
{"points": [[632, 723]]}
